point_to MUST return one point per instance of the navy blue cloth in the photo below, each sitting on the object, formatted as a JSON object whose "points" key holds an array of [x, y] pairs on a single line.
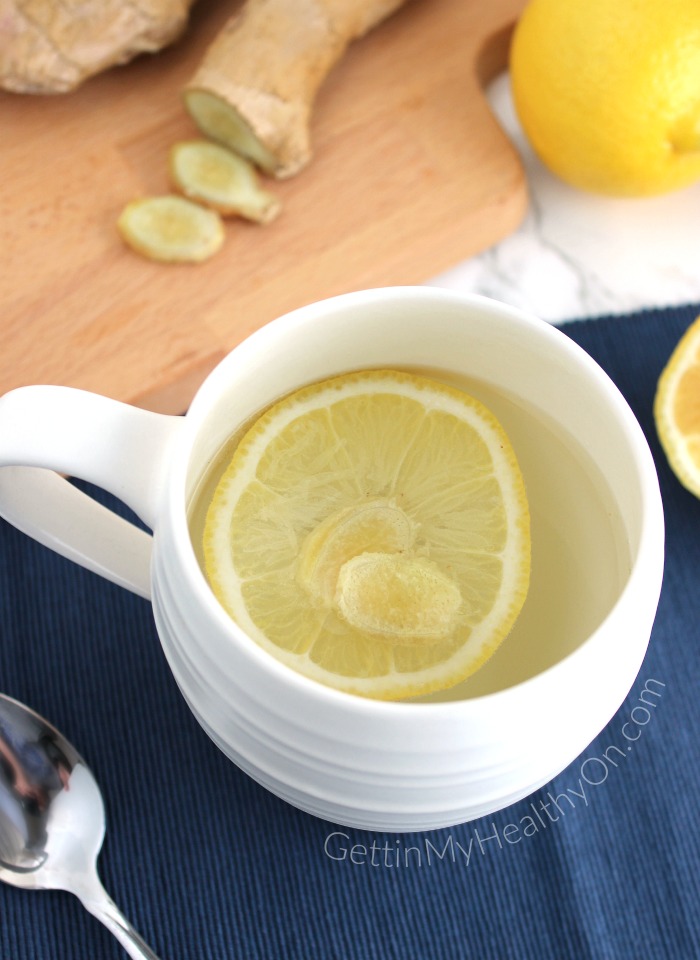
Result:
{"points": [[604, 862]]}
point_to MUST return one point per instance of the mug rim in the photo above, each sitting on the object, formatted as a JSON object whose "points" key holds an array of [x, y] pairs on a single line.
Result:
{"points": [[643, 562]]}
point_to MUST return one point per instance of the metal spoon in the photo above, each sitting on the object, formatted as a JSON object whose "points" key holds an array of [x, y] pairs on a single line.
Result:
{"points": [[52, 819]]}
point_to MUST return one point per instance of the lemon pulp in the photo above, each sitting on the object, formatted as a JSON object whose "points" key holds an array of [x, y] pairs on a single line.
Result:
{"points": [[372, 532]]}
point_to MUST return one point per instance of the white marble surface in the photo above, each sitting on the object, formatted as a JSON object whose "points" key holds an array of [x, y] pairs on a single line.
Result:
{"points": [[580, 255]]}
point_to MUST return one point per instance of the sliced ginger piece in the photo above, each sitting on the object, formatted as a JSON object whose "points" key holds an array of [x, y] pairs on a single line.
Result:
{"points": [[171, 229], [222, 180], [403, 599], [377, 525]]}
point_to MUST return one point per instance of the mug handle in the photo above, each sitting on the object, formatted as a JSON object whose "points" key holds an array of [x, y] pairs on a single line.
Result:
{"points": [[46, 431]]}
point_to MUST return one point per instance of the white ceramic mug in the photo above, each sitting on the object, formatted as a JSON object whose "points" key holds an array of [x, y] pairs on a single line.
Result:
{"points": [[354, 761]]}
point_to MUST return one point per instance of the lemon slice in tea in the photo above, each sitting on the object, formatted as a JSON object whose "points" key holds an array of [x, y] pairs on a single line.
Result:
{"points": [[372, 532]]}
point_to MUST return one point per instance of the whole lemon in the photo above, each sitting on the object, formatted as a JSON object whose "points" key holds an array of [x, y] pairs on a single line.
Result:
{"points": [[608, 91]]}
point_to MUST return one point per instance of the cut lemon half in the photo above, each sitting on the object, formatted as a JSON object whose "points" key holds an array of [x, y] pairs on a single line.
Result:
{"points": [[372, 532], [677, 409]]}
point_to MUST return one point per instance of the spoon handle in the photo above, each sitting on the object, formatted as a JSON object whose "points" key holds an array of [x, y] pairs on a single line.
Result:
{"points": [[97, 901]]}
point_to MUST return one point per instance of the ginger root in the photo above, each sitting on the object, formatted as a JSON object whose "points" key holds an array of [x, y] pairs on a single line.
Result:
{"points": [[255, 88], [50, 47]]}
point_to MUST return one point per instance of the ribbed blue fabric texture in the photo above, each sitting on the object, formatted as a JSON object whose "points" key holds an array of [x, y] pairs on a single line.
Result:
{"points": [[604, 862]]}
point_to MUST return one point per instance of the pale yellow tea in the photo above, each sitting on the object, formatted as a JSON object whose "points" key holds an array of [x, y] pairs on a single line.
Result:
{"points": [[385, 546]]}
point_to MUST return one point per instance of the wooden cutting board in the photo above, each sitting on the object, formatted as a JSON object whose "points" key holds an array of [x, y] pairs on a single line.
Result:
{"points": [[411, 175]]}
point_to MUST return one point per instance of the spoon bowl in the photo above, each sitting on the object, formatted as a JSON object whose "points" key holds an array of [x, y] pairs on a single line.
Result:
{"points": [[52, 819]]}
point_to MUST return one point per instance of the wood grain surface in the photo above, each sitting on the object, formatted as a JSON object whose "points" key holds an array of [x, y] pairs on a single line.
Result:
{"points": [[411, 174]]}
